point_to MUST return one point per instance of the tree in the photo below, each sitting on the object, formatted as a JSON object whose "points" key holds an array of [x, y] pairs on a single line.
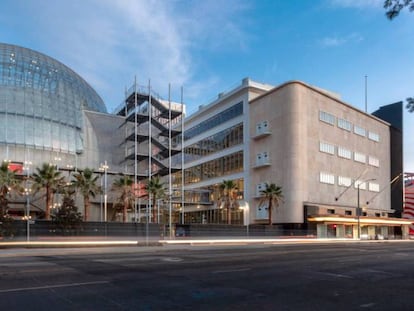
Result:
{"points": [[49, 179], [272, 195], [156, 189], [410, 104], [67, 217], [85, 182], [394, 7], [127, 196], [8, 181], [228, 189]]}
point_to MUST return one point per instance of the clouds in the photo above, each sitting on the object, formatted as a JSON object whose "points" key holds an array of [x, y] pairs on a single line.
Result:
{"points": [[336, 41], [357, 4], [108, 42]]}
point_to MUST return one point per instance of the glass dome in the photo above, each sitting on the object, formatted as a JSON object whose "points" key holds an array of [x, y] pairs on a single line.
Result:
{"points": [[41, 101]]}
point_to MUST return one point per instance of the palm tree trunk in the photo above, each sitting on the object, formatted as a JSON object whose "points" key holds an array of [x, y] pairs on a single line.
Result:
{"points": [[154, 211], [124, 212], [270, 211], [48, 202], [228, 213], [86, 203]]}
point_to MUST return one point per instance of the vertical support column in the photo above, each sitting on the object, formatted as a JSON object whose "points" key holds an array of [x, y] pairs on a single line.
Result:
{"points": [[182, 160], [169, 162], [149, 141], [135, 148]]}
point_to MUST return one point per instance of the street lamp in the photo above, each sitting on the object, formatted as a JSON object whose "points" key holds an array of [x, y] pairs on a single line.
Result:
{"points": [[104, 167], [358, 211], [27, 192]]}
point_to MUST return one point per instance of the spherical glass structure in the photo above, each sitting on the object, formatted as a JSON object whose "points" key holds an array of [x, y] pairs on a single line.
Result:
{"points": [[41, 101]]}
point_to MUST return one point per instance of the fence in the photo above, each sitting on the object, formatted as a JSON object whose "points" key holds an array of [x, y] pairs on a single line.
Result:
{"points": [[42, 229]]}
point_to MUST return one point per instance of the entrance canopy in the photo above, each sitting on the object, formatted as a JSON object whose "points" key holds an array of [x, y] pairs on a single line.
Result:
{"points": [[362, 220]]}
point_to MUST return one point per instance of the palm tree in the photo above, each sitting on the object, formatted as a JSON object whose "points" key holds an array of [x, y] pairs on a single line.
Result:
{"points": [[47, 178], [155, 188], [228, 189], [8, 181], [125, 186], [85, 182], [272, 195]]}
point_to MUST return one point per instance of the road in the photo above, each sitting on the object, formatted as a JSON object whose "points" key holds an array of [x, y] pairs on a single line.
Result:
{"points": [[335, 276]]}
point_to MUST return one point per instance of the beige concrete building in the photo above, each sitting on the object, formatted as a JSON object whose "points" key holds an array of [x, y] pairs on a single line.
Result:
{"points": [[329, 158]]}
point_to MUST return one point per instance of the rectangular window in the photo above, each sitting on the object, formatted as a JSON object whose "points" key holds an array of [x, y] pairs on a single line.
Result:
{"points": [[360, 157], [373, 136], [326, 178], [373, 161], [344, 153], [259, 188], [344, 124], [262, 158], [373, 187], [359, 130], [327, 117], [327, 148], [344, 181], [362, 185], [262, 127]]}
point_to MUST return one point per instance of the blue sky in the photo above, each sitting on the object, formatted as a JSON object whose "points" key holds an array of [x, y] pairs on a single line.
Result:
{"points": [[208, 46]]}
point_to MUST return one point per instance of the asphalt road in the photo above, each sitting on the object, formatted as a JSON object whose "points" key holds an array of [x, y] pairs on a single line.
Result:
{"points": [[336, 276]]}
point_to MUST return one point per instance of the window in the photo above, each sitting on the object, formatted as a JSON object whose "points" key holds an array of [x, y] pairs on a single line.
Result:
{"points": [[331, 211], [359, 130], [360, 157], [344, 181], [362, 185], [327, 148], [373, 136], [348, 213], [344, 124], [262, 127], [344, 153], [214, 121], [259, 188], [327, 117], [327, 178], [373, 187], [373, 161], [262, 158]]}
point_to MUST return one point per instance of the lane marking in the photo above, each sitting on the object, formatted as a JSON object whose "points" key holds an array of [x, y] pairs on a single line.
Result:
{"points": [[50, 286], [171, 259], [337, 275], [230, 271]]}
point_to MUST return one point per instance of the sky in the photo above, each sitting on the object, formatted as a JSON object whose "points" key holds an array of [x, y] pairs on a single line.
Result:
{"points": [[209, 46]]}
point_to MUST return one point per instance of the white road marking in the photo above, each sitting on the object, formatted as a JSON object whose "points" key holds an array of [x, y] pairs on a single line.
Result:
{"points": [[336, 275], [230, 271], [171, 259], [50, 286]]}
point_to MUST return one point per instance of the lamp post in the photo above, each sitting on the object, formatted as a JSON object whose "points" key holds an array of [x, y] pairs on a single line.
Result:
{"points": [[27, 192], [358, 211], [104, 167]]}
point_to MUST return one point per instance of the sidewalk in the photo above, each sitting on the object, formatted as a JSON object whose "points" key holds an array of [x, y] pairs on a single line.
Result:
{"points": [[120, 242]]}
